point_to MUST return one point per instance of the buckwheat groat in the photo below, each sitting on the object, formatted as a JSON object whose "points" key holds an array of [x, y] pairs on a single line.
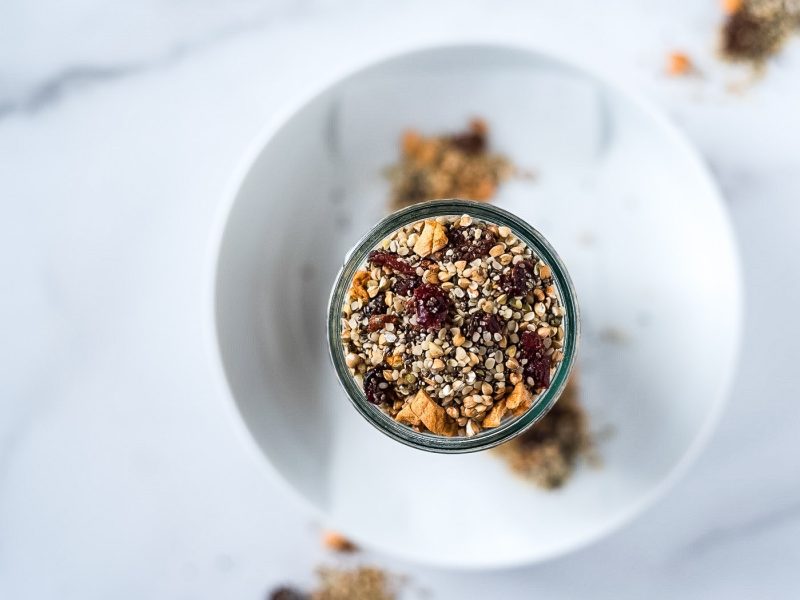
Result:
{"points": [[453, 326]]}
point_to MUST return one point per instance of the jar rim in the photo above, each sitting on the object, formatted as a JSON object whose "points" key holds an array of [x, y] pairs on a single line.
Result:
{"points": [[509, 428]]}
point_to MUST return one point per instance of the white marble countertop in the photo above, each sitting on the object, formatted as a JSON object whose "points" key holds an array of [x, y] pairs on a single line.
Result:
{"points": [[119, 126]]}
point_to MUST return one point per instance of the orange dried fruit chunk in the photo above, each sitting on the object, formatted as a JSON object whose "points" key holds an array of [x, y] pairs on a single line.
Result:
{"points": [[407, 416], [337, 542], [519, 396], [495, 415], [432, 239], [395, 360], [439, 237], [432, 415], [358, 289], [678, 63]]}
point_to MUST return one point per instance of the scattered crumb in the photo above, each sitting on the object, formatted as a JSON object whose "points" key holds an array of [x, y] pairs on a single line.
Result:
{"points": [[447, 166], [678, 64], [548, 452], [362, 583], [337, 542], [755, 30]]}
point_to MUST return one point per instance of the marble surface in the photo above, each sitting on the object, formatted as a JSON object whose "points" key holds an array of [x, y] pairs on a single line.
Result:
{"points": [[119, 127]]}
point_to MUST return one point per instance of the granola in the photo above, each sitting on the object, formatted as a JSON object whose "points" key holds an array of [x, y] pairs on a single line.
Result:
{"points": [[462, 328], [447, 166]]}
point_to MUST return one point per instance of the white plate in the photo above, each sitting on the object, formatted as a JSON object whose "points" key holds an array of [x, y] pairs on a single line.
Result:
{"points": [[622, 196]]}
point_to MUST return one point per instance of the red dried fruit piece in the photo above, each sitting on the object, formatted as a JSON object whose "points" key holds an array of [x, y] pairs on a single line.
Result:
{"points": [[377, 389], [539, 370], [431, 305], [532, 345], [390, 260], [538, 365], [481, 321], [405, 286], [520, 280], [466, 247], [378, 322], [376, 306]]}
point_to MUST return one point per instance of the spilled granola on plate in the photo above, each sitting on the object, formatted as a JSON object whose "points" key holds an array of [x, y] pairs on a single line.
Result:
{"points": [[457, 165], [548, 453]]}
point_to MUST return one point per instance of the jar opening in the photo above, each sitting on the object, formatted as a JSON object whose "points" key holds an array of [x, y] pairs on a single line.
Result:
{"points": [[427, 314]]}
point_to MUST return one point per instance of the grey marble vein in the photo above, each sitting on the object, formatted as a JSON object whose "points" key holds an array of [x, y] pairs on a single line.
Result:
{"points": [[72, 77], [759, 523], [79, 76]]}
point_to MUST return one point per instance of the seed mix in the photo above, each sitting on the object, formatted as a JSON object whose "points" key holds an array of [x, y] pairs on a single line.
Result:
{"points": [[453, 325]]}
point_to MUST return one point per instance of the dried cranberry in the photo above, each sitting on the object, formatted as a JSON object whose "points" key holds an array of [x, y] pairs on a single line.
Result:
{"points": [[481, 321], [539, 370], [390, 260], [378, 322], [431, 304], [520, 280], [406, 285], [377, 388], [376, 306], [532, 345], [466, 247], [538, 365]]}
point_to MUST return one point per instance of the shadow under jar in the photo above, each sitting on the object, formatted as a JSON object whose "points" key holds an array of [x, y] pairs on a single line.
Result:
{"points": [[457, 439]]}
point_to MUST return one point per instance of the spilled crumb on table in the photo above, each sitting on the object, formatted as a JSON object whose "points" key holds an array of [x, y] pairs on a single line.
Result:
{"points": [[755, 30], [548, 453], [359, 583], [457, 165], [362, 583], [751, 33], [333, 540], [679, 64]]}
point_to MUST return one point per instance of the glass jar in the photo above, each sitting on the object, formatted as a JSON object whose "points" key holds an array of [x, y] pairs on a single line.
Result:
{"points": [[510, 427]]}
